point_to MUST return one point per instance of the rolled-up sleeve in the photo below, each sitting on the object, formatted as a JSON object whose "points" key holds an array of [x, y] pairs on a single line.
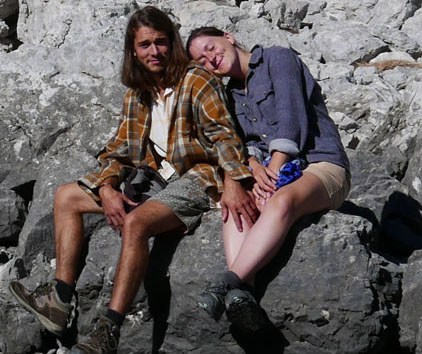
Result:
{"points": [[112, 158], [219, 129]]}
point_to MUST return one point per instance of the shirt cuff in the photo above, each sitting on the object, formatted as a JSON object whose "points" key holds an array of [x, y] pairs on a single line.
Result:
{"points": [[254, 151], [287, 146]]}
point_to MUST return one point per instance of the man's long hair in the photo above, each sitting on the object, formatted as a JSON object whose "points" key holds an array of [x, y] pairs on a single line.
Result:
{"points": [[134, 74]]}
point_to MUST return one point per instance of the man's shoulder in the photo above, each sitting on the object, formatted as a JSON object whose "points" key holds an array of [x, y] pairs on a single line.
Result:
{"points": [[197, 72]]}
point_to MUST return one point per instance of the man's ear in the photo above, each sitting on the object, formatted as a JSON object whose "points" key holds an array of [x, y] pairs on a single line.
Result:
{"points": [[229, 37]]}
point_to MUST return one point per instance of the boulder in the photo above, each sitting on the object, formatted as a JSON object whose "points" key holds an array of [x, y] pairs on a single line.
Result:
{"points": [[336, 285], [410, 308]]}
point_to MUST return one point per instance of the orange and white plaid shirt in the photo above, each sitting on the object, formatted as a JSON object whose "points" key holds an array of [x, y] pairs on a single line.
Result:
{"points": [[202, 141]]}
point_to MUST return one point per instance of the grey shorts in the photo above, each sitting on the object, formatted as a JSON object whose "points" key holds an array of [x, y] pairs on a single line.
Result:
{"points": [[335, 179], [186, 198]]}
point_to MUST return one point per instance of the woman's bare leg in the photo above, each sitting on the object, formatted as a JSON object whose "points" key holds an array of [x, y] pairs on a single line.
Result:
{"points": [[302, 197]]}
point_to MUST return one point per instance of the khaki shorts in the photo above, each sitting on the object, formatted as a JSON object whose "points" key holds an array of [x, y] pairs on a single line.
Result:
{"points": [[335, 179], [186, 198]]}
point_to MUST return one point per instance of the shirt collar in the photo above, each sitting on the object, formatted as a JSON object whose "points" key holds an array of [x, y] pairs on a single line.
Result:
{"points": [[257, 54], [167, 92]]}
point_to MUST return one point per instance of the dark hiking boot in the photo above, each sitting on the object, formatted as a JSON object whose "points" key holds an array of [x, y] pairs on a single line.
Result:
{"points": [[45, 304], [243, 310], [212, 299], [104, 339]]}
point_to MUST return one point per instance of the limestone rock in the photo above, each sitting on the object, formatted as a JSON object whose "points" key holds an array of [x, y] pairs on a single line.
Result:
{"points": [[60, 99], [410, 309], [348, 42]]}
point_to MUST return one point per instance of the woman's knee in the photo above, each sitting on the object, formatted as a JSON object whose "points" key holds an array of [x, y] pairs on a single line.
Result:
{"points": [[282, 204]]}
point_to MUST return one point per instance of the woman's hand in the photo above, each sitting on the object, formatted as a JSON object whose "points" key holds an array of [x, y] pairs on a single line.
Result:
{"points": [[264, 176], [261, 197], [113, 206]]}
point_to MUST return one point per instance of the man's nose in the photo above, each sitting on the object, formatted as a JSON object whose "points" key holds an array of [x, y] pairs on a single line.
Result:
{"points": [[154, 49]]}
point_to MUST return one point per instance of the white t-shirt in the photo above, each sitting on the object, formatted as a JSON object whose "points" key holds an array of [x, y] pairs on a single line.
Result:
{"points": [[160, 119]]}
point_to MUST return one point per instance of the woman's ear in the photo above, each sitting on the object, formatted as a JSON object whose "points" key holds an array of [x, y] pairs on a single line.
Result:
{"points": [[230, 38]]}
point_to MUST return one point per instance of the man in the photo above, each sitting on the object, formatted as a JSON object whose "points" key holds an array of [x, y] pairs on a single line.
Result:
{"points": [[175, 121]]}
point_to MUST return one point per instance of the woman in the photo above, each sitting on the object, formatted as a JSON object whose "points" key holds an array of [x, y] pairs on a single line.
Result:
{"points": [[282, 117]]}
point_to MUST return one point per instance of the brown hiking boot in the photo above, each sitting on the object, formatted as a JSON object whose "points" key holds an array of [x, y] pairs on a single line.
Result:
{"points": [[103, 340], [45, 304]]}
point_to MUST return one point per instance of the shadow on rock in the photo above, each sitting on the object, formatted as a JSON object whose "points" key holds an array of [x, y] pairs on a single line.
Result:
{"points": [[157, 285], [269, 339], [399, 232], [401, 225]]}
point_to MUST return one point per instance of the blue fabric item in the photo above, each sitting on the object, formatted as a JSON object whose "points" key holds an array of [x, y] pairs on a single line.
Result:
{"points": [[283, 109], [289, 172]]}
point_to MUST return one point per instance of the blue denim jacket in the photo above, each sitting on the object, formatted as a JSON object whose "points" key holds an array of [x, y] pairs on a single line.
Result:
{"points": [[283, 109]]}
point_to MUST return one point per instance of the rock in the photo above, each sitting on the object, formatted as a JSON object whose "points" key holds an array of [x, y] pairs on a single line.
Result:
{"points": [[394, 12], [12, 217], [413, 25], [8, 8], [60, 99], [168, 316], [392, 56], [4, 29], [351, 43], [411, 307], [287, 15], [413, 173]]}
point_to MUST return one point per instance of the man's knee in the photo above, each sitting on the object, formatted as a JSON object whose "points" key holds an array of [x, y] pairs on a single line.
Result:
{"points": [[70, 197], [135, 228]]}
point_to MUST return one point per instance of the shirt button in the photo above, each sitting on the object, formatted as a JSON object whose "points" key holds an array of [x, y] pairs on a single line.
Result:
{"points": [[264, 136], [243, 104], [254, 119]]}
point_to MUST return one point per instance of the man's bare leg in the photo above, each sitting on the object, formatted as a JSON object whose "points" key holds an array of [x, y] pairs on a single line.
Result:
{"points": [[70, 203], [50, 302], [147, 220]]}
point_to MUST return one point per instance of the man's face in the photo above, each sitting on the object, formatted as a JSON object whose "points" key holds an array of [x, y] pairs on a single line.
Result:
{"points": [[151, 49]]}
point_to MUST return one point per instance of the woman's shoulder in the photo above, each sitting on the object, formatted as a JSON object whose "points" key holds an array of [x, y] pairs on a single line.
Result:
{"points": [[282, 58], [278, 52]]}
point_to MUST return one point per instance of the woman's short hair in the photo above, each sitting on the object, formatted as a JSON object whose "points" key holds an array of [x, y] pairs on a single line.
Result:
{"points": [[202, 31], [134, 74]]}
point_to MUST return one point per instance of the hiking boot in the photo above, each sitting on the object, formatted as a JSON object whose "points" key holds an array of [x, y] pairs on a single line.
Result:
{"points": [[103, 340], [45, 304], [212, 299], [243, 310]]}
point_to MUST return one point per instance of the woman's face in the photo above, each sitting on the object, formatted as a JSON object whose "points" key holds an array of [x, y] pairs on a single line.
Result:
{"points": [[217, 54]]}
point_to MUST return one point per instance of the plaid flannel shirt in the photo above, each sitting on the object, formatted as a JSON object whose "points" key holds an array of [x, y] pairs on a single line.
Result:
{"points": [[201, 139]]}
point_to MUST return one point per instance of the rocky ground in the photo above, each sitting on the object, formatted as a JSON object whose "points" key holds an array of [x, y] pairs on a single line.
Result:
{"points": [[346, 282]]}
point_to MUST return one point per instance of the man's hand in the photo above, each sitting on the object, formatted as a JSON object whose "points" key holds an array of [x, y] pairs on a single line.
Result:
{"points": [[238, 201], [113, 205]]}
